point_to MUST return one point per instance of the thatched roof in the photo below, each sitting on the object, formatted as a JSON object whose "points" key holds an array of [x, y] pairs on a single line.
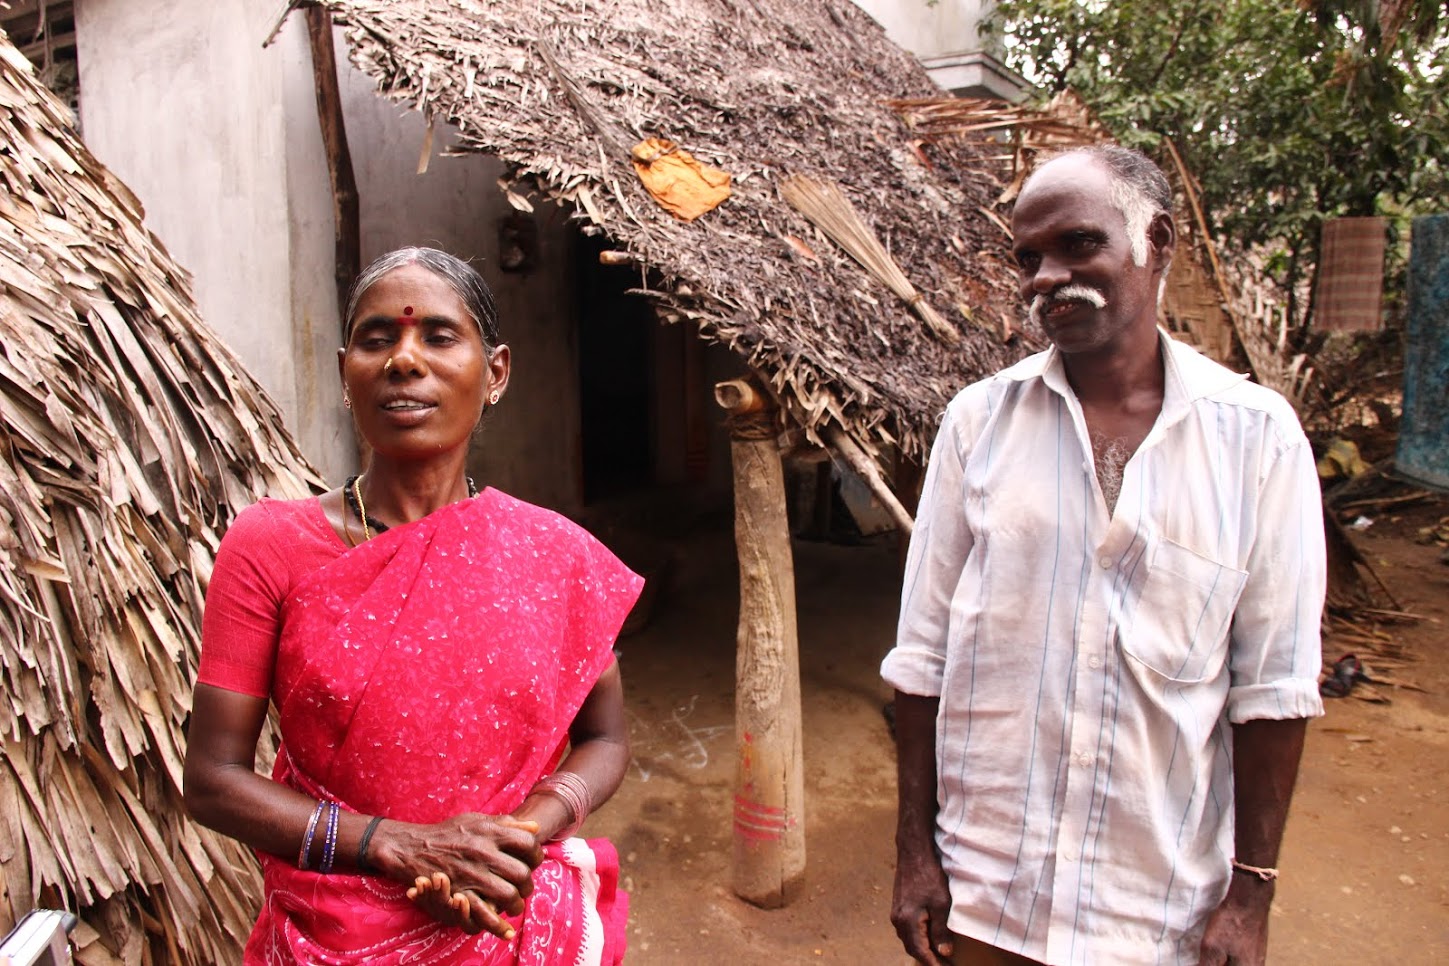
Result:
{"points": [[129, 438], [561, 90]]}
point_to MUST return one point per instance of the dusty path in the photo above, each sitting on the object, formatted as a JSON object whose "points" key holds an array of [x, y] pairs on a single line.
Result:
{"points": [[1364, 878]]}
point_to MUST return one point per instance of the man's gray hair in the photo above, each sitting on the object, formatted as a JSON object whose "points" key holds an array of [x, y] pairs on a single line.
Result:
{"points": [[461, 277], [1139, 190]]}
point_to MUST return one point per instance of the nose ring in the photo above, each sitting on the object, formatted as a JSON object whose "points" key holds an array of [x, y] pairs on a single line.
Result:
{"points": [[387, 366]]}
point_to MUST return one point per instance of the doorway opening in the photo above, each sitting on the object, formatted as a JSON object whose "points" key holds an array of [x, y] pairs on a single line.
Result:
{"points": [[616, 375]]}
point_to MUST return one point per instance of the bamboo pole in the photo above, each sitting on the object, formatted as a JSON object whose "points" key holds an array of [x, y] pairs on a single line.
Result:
{"points": [[769, 833]]}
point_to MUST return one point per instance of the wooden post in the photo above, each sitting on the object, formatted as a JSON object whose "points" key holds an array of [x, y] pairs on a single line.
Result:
{"points": [[345, 220], [769, 803]]}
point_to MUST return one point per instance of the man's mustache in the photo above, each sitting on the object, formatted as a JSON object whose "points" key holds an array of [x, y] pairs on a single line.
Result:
{"points": [[1067, 293]]}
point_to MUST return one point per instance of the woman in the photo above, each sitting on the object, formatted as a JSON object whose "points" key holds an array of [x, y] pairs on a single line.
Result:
{"points": [[431, 654]]}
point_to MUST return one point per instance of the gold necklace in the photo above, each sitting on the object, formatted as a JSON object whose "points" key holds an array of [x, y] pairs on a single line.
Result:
{"points": [[347, 526], [361, 507]]}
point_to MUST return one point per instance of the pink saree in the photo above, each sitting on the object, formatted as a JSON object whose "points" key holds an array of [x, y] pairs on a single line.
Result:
{"points": [[431, 671]]}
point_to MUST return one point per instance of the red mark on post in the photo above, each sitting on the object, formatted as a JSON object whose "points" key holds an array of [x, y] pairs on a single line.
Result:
{"points": [[754, 820]]}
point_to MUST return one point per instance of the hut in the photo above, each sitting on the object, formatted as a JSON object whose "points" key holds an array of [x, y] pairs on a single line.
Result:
{"points": [[129, 438]]}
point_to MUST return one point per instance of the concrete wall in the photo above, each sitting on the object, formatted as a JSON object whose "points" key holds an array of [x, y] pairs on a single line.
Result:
{"points": [[219, 139], [185, 106], [945, 37], [930, 30]]}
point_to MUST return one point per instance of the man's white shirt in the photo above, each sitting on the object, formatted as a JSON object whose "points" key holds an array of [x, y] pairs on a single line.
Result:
{"points": [[1089, 665]]}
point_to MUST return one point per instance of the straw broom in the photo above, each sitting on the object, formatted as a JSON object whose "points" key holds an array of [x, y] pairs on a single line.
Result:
{"points": [[828, 209]]}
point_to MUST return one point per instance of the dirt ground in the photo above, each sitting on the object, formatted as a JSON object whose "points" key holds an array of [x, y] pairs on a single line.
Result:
{"points": [[1364, 862]]}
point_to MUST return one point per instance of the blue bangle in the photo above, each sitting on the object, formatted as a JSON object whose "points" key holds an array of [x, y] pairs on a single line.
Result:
{"points": [[329, 847]]}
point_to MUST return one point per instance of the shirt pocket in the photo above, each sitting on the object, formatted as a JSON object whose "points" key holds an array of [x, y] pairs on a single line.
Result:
{"points": [[1178, 627]]}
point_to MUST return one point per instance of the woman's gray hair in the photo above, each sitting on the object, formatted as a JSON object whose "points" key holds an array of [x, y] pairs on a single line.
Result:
{"points": [[461, 277], [1139, 190]]}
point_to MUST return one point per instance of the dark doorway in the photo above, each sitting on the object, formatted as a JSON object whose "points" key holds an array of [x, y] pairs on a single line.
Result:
{"points": [[615, 375]]}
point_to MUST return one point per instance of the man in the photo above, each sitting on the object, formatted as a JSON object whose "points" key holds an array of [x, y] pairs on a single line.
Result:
{"points": [[1108, 640]]}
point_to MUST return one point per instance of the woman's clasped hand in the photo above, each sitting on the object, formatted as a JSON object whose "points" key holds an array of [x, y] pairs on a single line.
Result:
{"points": [[481, 864]]}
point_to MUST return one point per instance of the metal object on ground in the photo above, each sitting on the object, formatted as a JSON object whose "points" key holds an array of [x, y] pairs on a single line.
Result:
{"points": [[39, 939]]}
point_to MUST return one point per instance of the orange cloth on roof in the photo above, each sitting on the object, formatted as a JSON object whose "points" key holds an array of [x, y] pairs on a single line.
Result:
{"points": [[685, 187]]}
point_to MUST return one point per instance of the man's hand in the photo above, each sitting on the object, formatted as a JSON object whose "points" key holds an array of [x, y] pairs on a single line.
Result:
{"points": [[922, 898], [920, 906], [1237, 931]]}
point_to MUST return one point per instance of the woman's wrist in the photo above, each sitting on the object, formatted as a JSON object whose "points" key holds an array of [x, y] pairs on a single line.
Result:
{"points": [[570, 790], [547, 811], [387, 851]]}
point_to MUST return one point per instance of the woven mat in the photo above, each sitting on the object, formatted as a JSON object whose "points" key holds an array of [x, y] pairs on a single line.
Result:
{"points": [[1351, 275]]}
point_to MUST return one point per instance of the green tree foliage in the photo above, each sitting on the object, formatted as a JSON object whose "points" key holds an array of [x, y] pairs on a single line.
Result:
{"points": [[1288, 112]]}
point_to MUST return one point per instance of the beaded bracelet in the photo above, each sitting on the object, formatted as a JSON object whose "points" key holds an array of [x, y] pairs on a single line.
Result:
{"points": [[366, 840], [329, 846], [569, 789], [305, 855]]}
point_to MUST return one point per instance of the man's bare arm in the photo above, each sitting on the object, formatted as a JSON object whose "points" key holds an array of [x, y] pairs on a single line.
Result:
{"points": [[1265, 769], [922, 899]]}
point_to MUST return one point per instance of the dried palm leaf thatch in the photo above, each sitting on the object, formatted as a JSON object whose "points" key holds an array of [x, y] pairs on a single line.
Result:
{"points": [[830, 210], [560, 89], [129, 437]]}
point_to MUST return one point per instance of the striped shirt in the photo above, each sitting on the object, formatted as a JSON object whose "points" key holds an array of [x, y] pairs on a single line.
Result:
{"points": [[1089, 665]]}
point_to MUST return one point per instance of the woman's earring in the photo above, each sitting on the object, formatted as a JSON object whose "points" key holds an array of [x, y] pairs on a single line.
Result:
{"points": [[493, 398], [347, 400]]}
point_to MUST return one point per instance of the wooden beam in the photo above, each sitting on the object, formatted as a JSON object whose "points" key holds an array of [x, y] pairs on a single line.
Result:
{"points": [[18, 9], [769, 801], [856, 458], [52, 45], [347, 235]]}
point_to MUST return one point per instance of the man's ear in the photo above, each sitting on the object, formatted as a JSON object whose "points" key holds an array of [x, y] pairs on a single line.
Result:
{"points": [[1162, 235]]}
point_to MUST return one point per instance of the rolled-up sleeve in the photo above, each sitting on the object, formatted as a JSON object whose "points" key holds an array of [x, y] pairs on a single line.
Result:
{"points": [[1277, 651], [940, 543]]}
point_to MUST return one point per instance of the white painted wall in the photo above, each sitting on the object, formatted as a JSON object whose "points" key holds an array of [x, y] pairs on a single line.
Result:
{"points": [[945, 37], [185, 106], [219, 139], [323, 427], [930, 30]]}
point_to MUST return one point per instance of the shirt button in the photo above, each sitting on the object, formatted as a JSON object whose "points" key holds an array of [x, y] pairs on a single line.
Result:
{"points": [[1105, 563], [1069, 857], [1094, 661]]}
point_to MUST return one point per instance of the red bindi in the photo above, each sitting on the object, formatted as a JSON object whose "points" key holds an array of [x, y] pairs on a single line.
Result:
{"points": [[404, 318]]}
